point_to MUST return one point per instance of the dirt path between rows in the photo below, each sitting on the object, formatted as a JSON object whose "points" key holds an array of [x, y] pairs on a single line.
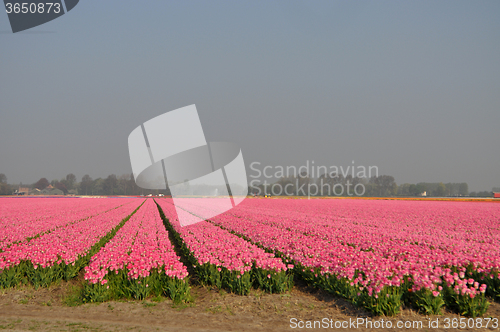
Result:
{"points": [[25, 308]]}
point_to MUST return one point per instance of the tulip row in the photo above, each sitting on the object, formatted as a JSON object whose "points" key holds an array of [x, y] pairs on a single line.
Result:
{"points": [[25, 218], [139, 261], [380, 254], [63, 252], [224, 260]]}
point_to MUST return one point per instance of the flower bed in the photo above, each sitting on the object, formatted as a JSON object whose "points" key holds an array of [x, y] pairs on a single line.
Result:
{"points": [[139, 261], [25, 218], [379, 254], [225, 260], [61, 253]]}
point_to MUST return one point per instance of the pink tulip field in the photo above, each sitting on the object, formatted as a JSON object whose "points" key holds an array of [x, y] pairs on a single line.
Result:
{"points": [[137, 262], [226, 260], [60, 252], [380, 255], [28, 217]]}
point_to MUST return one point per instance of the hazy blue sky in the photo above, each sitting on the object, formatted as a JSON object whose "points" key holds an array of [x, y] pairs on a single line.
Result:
{"points": [[411, 87]]}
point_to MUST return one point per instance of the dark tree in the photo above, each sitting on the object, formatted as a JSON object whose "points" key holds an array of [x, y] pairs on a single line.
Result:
{"points": [[42, 184], [420, 188], [4, 187], [383, 185], [440, 190], [110, 185], [463, 189], [413, 190], [70, 181], [124, 185], [61, 186], [97, 186], [86, 185]]}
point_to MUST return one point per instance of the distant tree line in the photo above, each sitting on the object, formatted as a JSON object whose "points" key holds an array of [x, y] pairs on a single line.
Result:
{"points": [[111, 185], [434, 189], [376, 186], [481, 194]]}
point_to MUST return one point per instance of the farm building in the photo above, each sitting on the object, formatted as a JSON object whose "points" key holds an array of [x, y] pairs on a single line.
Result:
{"points": [[52, 191], [22, 191]]}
